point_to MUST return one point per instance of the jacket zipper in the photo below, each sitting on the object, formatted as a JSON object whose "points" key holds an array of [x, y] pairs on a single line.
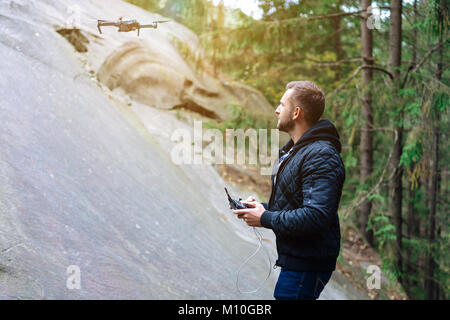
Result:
{"points": [[283, 164]]}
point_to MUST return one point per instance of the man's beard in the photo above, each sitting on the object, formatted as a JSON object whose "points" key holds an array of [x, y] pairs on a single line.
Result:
{"points": [[286, 126]]}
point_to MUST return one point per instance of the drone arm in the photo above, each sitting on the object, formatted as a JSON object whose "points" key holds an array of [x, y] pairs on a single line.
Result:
{"points": [[153, 25], [104, 24]]}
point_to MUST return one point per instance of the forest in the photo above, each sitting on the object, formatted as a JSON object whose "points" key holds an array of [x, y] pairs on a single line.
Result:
{"points": [[384, 68]]}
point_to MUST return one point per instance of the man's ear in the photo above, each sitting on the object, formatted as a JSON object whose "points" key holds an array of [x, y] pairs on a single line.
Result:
{"points": [[296, 113]]}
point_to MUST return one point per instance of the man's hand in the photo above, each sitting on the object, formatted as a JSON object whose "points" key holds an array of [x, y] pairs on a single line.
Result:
{"points": [[252, 216], [249, 199]]}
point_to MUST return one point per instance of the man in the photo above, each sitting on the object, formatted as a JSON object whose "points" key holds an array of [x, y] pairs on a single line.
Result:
{"points": [[306, 189]]}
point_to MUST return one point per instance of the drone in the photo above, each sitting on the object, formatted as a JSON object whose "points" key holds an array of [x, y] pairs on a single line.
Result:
{"points": [[127, 25]]}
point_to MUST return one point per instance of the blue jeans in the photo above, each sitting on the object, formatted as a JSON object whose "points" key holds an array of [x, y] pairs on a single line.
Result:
{"points": [[295, 285]]}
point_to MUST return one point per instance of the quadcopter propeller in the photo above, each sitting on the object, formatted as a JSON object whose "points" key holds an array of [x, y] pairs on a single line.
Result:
{"points": [[153, 25]]}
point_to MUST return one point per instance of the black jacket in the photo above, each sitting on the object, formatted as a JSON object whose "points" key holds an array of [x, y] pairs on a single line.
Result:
{"points": [[306, 190]]}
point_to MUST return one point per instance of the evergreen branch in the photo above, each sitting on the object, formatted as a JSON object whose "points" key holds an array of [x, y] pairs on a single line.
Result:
{"points": [[289, 20], [332, 63], [330, 16], [414, 70], [379, 69], [445, 67], [291, 59], [378, 184], [327, 16], [323, 64], [425, 57], [355, 73]]}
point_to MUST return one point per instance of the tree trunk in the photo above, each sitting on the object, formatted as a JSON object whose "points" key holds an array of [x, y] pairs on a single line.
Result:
{"points": [[396, 198], [395, 184], [411, 229], [366, 142], [430, 284], [336, 26], [395, 38], [423, 228]]}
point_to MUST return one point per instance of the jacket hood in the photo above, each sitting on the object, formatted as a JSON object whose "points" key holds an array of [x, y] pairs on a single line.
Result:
{"points": [[324, 129]]}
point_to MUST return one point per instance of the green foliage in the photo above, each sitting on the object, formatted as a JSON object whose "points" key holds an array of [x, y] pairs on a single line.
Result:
{"points": [[383, 229], [150, 5], [413, 150], [193, 57], [378, 197], [441, 101], [193, 13]]}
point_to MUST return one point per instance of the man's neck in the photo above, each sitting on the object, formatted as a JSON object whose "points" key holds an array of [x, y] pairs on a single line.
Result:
{"points": [[298, 131]]}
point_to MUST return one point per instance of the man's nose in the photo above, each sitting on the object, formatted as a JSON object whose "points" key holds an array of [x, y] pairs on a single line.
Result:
{"points": [[277, 110]]}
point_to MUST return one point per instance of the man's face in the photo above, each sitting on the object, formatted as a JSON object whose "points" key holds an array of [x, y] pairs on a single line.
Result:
{"points": [[284, 113]]}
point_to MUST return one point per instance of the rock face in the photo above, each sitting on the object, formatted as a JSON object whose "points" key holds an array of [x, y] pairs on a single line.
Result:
{"points": [[86, 181], [161, 78]]}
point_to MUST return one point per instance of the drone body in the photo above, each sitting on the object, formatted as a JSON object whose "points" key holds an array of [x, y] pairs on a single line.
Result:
{"points": [[127, 25]]}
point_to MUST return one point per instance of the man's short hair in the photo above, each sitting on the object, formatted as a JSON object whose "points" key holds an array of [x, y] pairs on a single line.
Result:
{"points": [[309, 98]]}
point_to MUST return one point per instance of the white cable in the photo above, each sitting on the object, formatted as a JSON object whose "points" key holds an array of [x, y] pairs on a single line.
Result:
{"points": [[245, 262]]}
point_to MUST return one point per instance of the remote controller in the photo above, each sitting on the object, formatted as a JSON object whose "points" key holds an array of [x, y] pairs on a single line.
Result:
{"points": [[234, 204]]}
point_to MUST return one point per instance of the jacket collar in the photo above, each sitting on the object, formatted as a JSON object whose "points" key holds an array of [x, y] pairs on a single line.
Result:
{"points": [[322, 130]]}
